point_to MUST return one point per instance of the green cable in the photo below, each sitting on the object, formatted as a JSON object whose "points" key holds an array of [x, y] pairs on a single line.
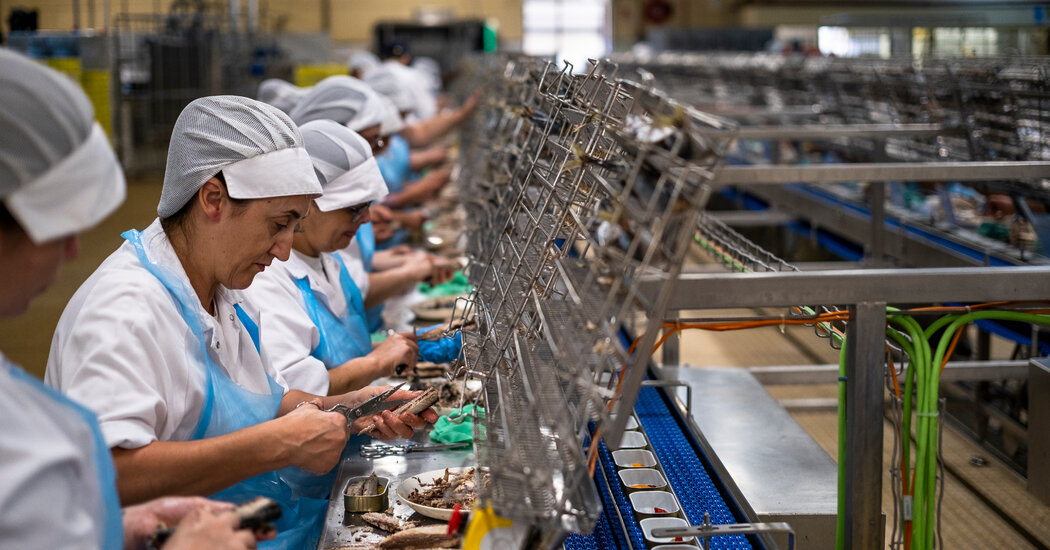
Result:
{"points": [[840, 525], [923, 376]]}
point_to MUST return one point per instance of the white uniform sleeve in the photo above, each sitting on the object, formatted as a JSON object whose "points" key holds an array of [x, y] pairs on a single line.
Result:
{"points": [[49, 491], [286, 333], [112, 357]]}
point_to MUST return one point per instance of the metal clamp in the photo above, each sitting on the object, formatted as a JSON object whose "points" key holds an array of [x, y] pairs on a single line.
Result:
{"points": [[706, 531]]}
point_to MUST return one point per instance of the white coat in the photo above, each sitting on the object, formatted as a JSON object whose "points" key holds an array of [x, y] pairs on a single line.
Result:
{"points": [[123, 350], [50, 494], [288, 334]]}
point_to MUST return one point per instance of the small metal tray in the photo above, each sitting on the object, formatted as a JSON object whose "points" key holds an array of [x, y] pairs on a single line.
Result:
{"points": [[370, 503]]}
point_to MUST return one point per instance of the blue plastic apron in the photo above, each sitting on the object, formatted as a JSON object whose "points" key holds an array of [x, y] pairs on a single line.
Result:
{"points": [[111, 534], [395, 164], [366, 241], [227, 408], [341, 339]]}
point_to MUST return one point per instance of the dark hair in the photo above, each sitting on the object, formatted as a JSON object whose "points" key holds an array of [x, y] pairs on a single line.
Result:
{"points": [[177, 221], [7, 221], [9, 226]]}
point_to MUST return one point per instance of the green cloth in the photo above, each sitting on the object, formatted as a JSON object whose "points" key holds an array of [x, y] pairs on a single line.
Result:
{"points": [[446, 431], [457, 285]]}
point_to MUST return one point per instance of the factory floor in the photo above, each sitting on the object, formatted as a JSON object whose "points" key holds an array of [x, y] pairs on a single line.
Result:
{"points": [[983, 507]]}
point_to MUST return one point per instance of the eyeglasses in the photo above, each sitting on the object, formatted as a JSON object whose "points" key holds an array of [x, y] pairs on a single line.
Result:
{"points": [[356, 210], [377, 143]]}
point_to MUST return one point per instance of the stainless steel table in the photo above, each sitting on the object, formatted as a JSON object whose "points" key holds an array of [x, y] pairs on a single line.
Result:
{"points": [[343, 529]]}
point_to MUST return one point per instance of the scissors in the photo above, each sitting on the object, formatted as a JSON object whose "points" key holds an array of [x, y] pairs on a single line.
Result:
{"points": [[376, 404], [379, 451]]}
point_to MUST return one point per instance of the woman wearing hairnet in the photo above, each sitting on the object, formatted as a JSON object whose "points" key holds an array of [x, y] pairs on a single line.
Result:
{"points": [[157, 343], [280, 93], [316, 335], [352, 103], [58, 177]]}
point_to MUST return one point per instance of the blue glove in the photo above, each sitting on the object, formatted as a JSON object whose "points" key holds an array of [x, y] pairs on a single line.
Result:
{"points": [[444, 350]]}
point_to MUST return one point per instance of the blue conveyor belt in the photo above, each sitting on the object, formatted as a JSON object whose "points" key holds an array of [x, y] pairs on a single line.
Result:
{"points": [[686, 473], [607, 534]]}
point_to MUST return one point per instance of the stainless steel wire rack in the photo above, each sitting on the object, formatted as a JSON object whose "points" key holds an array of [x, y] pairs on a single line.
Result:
{"points": [[577, 187]]}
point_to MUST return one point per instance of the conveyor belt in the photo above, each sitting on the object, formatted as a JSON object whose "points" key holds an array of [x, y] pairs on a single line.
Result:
{"points": [[687, 473], [607, 535]]}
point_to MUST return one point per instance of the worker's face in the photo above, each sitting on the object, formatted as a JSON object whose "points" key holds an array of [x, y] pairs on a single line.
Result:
{"points": [[331, 231], [251, 235], [28, 269]]}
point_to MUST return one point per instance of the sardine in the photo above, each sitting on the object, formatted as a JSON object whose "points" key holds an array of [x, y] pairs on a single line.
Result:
{"points": [[428, 536], [387, 522], [371, 486], [421, 403]]}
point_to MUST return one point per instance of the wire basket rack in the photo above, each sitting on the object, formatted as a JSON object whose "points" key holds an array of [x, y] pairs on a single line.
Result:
{"points": [[577, 187], [990, 108]]}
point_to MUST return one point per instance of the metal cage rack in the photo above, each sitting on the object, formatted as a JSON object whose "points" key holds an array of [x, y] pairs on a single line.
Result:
{"points": [[583, 193]]}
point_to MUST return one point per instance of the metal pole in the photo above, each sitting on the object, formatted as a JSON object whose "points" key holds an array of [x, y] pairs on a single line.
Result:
{"points": [[877, 251], [865, 348], [670, 349]]}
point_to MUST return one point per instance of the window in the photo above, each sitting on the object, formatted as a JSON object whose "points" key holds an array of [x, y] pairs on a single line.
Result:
{"points": [[572, 30]]}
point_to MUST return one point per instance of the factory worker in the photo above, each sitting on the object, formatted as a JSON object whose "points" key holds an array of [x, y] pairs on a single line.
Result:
{"points": [[316, 334], [361, 62], [383, 274], [280, 93], [157, 343], [346, 100], [58, 177], [401, 84], [352, 103], [431, 71]]}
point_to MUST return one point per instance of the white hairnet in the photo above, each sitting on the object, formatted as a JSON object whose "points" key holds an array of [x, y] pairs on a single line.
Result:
{"points": [[392, 121], [390, 80], [257, 148], [363, 61], [344, 99], [58, 173], [344, 164], [280, 93], [432, 70]]}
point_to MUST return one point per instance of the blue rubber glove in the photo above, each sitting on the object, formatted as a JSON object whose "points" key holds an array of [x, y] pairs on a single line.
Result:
{"points": [[444, 350]]}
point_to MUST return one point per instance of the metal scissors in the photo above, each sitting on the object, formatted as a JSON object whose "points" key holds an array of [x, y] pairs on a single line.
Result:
{"points": [[379, 451], [375, 405]]}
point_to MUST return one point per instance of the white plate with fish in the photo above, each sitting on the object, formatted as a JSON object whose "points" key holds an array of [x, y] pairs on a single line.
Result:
{"points": [[441, 309], [439, 481]]}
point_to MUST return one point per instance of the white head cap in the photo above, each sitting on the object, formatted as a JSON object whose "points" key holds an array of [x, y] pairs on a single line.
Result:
{"points": [[432, 69], [344, 99], [392, 121], [58, 173], [280, 93], [391, 80], [257, 148], [344, 164], [363, 61]]}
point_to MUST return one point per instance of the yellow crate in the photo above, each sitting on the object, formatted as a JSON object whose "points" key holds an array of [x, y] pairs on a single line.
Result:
{"points": [[67, 65], [308, 75], [96, 84]]}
